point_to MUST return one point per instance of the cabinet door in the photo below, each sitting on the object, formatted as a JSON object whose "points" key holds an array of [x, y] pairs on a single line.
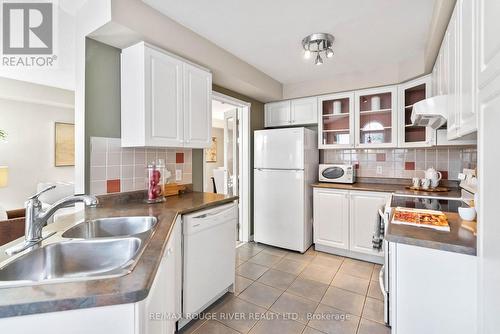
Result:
{"points": [[197, 107], [336, 120], [364, 214], [331, 218], [304, 111], [410, 93], [376, 121], [453, 75], [163, 82], [467, 117], [277, 114]]}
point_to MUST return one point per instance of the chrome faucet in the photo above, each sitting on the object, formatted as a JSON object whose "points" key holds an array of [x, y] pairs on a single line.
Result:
{"points": [[36, 218]]}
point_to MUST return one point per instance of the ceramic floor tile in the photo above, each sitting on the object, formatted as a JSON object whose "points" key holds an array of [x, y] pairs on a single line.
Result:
{"points": [[214, 327], [276, 251], [328, 260], [332, 321], [277, 325], [344, 300], [241, 283], [357, 268], [370, 327], [309, 330], [319, 273], [374, 310], [192, 326], [351, 283], [300, 257], [245, 253], [374, 290], [290, 266], [251, 270], [277, 279], [260, 294], [375, 273], [312, 290], [247, 314], [288, 303], [265, 259]]}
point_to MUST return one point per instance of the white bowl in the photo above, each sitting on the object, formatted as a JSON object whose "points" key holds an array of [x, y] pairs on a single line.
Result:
{"points": [[467, 213]]}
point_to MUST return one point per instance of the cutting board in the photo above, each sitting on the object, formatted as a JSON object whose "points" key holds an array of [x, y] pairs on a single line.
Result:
{"points": [[173, 189]]}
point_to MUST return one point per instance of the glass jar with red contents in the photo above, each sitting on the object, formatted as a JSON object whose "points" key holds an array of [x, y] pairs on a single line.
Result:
{"points": [[155, 181]]}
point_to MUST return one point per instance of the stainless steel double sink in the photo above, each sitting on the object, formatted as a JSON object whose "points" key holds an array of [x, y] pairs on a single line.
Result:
{"points": [[99, 248]]}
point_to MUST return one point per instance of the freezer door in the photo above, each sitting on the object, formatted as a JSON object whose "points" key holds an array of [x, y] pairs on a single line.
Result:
{"points": [[279, 208], [279, 148]]}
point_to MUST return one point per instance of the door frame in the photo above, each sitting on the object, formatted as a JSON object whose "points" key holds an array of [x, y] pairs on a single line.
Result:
{"points": [[244, 159]]}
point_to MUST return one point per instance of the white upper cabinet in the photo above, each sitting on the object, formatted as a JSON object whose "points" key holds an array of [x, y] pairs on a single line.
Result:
{"points": [[304, 111], [376, 123], [165, 101], [410, 93], [197, 107], [336, 120], [453, 75], [291, 112]]}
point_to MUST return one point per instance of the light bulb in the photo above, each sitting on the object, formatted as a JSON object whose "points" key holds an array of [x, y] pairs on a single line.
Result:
{"points": [[329, 53], [318, 61], [307, 54]]}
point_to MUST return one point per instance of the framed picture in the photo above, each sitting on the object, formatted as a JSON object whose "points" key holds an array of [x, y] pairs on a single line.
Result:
{"points": [[211, 153], [64, 144]]}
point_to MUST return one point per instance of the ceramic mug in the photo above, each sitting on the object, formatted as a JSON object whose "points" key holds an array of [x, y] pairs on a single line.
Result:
{"points": [[375, 102], [337, 107], [426, 183], [416, 182]]}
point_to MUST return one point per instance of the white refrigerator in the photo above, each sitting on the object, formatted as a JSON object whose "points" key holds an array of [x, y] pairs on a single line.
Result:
{"points": [[285, 166]]}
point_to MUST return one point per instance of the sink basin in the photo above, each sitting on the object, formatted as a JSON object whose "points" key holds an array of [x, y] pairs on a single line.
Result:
{"points": [[111, 227], [73, 259]]}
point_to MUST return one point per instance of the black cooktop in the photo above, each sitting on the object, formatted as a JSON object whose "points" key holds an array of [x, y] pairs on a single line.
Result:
{"points": [[440, 204]]}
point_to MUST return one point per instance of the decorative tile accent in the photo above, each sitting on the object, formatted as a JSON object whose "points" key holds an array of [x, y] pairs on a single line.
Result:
{"points": [[113, 186], [404, 163], [380, 156], [179, 158], [115, 169]]}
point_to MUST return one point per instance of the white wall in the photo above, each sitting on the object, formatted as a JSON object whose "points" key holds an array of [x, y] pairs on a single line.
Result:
{"points": [[210, 166], [29, 149]]}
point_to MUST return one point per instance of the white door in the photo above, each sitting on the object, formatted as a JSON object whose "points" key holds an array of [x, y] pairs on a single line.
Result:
{"points": [[279, 148], [164, 117], [197, 107], [364, 214], [279, 208], [331, 218], [488, 63], [277, 114], [231, 168], [467, 117], [304, 111]]}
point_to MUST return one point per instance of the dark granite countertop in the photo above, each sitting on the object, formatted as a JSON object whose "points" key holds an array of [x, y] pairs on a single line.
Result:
{"points": [[133, 287], [459, 239], [397, 188]]}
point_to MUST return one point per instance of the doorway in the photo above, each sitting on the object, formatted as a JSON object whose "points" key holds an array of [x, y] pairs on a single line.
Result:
{"points": [[226, 164]]}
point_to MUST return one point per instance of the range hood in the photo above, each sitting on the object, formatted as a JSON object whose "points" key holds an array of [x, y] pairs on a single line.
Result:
{"points": [[430, 112]]}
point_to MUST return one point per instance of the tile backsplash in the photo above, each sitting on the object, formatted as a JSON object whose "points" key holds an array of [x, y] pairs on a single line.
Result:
{"points": [[117, 169], [404, 163]]}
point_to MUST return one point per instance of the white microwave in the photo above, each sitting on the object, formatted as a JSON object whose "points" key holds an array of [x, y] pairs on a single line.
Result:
{"points": [[337, 173]]}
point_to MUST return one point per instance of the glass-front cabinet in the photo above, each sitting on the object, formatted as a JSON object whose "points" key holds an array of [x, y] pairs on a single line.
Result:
{"points": [[376, 117], [410, 93], [336, 120]]}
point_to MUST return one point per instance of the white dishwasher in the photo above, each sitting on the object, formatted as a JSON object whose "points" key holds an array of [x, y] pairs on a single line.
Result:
{"points": [[209, 250]]}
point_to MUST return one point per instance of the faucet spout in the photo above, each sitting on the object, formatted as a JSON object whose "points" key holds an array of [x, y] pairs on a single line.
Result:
{"points": [[88, 200]]}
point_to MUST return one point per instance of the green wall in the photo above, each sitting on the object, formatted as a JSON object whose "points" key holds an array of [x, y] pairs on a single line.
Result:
{"points": [[102, 96]]}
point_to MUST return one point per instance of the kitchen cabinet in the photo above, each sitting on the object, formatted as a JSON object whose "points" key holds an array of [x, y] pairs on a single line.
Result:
{"points": [[376, 119], [453, 75], [331, 218], [363, 210], [336, 120], [291, 112], [421, 277], [165, 100], [344, 222], [410, 93]]}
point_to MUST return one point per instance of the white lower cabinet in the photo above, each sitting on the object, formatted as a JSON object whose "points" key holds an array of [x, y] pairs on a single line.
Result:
{"points": [[331, 218], [344, 222], [363, 212]]}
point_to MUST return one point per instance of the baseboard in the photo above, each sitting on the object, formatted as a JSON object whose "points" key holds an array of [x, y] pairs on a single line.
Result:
{"points": [[347, 253]]}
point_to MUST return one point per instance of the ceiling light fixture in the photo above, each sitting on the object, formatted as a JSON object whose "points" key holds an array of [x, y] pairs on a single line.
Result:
{"points": [[318, 43]]}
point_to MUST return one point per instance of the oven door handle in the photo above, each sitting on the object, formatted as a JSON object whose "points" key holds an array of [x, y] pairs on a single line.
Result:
{"points": [[381, 280]]}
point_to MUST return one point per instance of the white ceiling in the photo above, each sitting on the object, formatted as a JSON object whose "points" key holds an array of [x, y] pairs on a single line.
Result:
{"points": [[267, 34]]}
